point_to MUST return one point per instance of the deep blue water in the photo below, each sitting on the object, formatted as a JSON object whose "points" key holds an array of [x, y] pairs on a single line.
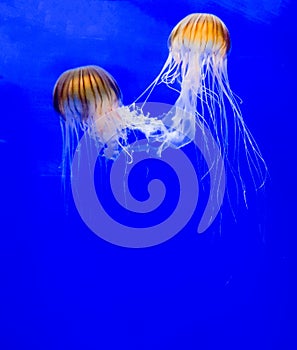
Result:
{"points": [[61, 286]]}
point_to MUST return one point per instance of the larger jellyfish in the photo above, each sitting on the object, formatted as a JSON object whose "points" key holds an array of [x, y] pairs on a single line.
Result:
{"points": [[196, 68]]}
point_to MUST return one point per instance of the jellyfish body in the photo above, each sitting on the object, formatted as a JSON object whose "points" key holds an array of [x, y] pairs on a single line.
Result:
{"points": [[196, 68], [88, 98], [198, 46]]}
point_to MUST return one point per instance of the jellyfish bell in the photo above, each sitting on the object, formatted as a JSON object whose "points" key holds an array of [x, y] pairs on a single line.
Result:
{"points": [[86, 94], [200, 33]]}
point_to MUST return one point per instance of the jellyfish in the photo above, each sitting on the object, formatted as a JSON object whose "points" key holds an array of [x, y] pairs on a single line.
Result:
{"points": [[89, 101], [196, 68]]}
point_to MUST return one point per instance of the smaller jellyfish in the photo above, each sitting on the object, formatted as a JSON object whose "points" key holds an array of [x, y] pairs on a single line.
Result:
{"points": [[89, 100], [196, 68]]}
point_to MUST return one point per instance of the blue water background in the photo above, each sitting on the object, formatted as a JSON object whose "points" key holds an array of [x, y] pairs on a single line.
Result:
{"points": [[62, 287]]}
